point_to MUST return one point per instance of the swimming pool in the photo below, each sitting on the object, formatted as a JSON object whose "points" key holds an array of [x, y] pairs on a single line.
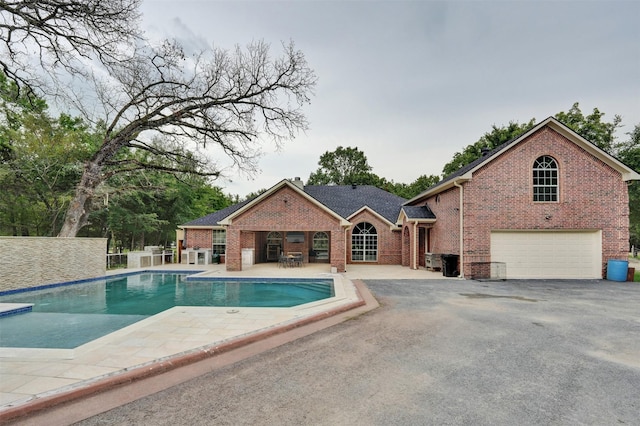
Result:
{"points": [[67, 316]]}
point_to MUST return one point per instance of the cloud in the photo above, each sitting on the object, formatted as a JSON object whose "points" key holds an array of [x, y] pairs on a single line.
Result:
{"points": [[411, 83]]}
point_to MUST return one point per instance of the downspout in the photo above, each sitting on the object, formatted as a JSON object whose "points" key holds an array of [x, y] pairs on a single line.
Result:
{"points": [[461, 212], [346, 234], [415, 245]]}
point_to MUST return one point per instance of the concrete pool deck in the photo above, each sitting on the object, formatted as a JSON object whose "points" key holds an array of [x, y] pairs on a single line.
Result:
{"points": [[33, 379]]}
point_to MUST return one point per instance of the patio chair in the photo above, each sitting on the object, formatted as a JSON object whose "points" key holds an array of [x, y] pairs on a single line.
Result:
{"points": [[283, 261]]}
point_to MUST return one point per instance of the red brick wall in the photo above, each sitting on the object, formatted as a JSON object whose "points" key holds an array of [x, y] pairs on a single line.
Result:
{"points": [[406, 244], [202, 238], [592, 196], [233, 258], [445, 235]]}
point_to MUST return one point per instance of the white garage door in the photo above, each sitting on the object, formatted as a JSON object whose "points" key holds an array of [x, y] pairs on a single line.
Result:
{"points": [[548, 254]]}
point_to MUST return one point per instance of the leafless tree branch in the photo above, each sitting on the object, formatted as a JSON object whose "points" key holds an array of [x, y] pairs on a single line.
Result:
{"points": [[58, 34], [225, 99]]}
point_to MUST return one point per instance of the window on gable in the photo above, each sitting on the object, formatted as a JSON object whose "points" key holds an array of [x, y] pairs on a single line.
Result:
{"points": [[545, 179]]}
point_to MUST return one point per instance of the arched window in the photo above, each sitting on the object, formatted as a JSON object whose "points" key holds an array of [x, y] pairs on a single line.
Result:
{"points": [[274, 245], [545, 179], [274, 238], [364, 243]]}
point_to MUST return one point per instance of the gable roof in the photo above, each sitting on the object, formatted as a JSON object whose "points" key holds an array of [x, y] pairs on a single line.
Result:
{"points": [[466, 173], [283, 183], [418, 213], [346, 200], [212, 219], [341, 201]]}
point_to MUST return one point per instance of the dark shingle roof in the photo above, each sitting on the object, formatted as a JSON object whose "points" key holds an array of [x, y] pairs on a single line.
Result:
{"points": [[462, 170], [346, 199], [470, 166], [418, 212], [212, 219]]}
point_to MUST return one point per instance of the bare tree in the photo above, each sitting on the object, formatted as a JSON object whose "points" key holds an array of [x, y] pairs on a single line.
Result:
{"points": [[160, 106], [168, 105], [58, 35]]}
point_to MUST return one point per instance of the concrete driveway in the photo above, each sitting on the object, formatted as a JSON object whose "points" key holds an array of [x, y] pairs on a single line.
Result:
{"points": [[435, 352]]}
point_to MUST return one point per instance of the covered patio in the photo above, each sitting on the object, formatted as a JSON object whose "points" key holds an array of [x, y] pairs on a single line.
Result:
{"points": [[312, 246]]}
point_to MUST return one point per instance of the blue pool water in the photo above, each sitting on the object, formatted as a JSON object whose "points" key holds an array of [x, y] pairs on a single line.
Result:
{"points": [[69, 316]]}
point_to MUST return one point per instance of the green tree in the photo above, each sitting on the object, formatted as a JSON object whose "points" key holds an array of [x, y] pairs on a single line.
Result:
{"points": [[629, 153], [490, 140], [254, 194], [409, 191], [40, 165], [145, 207], [44, 160], [349, 166], [591, 127], [344, 166]]}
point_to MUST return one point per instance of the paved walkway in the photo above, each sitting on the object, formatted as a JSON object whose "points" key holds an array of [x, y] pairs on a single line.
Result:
{"points": [[174, 337]]}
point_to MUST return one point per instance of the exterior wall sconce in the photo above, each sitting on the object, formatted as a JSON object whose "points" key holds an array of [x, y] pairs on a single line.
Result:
{"points": [[547, 217]]}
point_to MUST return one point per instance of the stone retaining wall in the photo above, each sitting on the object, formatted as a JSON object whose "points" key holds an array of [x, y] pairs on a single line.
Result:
{"points": [[34, 261]]}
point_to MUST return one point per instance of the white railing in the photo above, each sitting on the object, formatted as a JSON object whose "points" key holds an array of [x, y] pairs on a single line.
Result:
{"points": [[139, 259], [116, 260]]}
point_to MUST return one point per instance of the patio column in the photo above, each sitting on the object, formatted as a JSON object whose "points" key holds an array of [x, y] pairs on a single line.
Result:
{"points": [[233, 255], [338, 249]]}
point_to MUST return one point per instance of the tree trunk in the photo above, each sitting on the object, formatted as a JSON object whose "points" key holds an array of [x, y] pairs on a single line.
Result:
{"points": [[78, 212]]}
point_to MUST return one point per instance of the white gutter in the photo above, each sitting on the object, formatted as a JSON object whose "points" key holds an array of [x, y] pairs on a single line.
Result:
{"points": [[461, 212]]}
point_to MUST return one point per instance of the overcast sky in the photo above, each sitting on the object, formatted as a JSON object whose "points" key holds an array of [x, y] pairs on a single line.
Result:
{"points": [[412, 82]]}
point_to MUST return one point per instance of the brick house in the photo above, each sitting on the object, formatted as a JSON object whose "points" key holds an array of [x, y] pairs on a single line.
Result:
{"points": [[547, 204], [333, 224]]}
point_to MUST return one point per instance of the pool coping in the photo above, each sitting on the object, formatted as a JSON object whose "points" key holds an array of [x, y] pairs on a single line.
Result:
{"points": [[8, 309], [82, 390]]}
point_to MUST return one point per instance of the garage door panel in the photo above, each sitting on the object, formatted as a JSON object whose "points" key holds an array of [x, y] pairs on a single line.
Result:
{"points": [[545, 254]]}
